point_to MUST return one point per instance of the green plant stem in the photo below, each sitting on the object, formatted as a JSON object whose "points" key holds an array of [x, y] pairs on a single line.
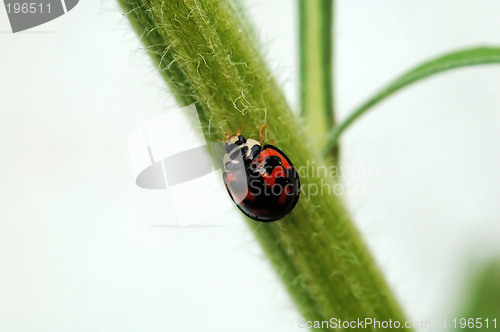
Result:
{"points": [[463, 58], [208, 56], [482, 294], [316, 70]]}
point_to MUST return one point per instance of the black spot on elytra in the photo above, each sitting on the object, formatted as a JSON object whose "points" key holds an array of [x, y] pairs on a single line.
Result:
{"points": [[270, 163]]}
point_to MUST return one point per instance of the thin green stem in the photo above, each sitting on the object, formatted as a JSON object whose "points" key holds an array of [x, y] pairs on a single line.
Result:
{"points": [[316, 67], [463, 58]]}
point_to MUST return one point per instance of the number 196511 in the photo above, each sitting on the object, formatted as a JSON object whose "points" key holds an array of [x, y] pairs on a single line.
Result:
{"points": [[474, 323], [28, 7]]}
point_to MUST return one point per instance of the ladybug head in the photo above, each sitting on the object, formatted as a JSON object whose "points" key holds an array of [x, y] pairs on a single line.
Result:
{"points": [[239, 148], [234, 141]]}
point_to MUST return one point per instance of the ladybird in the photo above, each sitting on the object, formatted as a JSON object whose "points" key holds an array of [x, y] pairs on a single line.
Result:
{"points": [[261, 180]]}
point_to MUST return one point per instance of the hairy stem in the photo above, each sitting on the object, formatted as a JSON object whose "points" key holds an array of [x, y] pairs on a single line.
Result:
{"points": [[208, 56]]}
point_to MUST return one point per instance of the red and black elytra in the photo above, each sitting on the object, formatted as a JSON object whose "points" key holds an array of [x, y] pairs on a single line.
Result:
{"points": [[261, 180]]}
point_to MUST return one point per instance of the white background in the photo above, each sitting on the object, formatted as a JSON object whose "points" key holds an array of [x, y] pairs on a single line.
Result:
{"points": [[78, 250]]}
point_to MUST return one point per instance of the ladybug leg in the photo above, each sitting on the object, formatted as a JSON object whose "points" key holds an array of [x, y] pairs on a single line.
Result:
{"points": [[226, 136], [261, 134]]}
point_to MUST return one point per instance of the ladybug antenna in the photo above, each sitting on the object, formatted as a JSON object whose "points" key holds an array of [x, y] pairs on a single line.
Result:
{"points": [[238, 131], [261, 134]]}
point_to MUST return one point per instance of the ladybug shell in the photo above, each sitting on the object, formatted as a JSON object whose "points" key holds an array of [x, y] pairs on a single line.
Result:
{"points": [[265, 188]]}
